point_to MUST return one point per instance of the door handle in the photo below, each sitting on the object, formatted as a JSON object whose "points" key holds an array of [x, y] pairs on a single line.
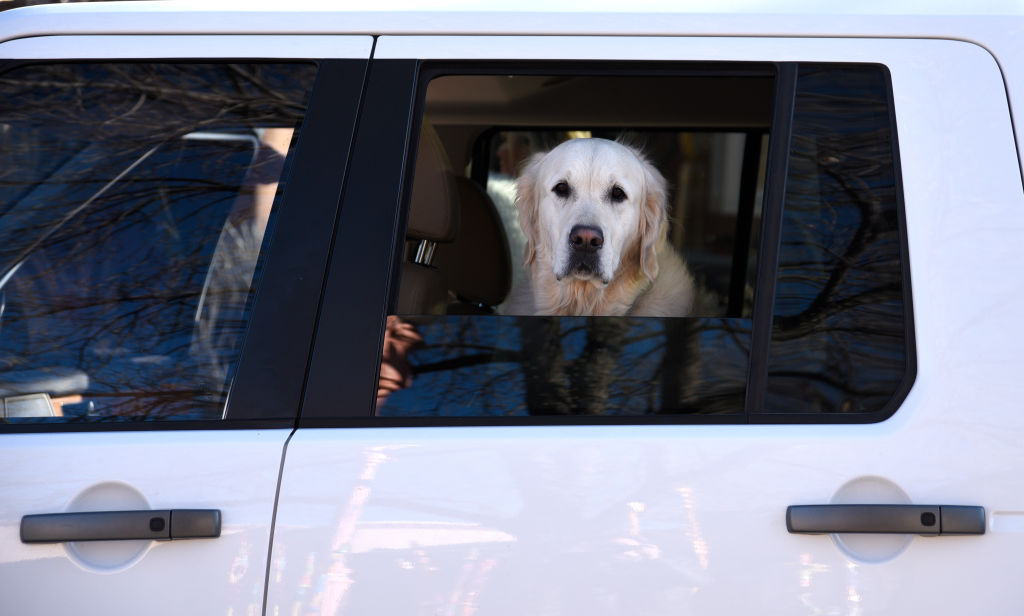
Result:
{"points": [[929, 520], [157, 525]]}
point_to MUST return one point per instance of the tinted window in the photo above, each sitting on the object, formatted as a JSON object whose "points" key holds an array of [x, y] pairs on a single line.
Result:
{"points": [[136, 200], [456, 345], [499, 366], [840, 330]]}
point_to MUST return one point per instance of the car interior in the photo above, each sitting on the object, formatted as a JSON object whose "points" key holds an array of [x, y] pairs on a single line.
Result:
{"points": [[706, 130]]}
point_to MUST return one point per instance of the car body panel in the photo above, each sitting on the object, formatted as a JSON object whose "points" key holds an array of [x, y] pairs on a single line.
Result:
{"points": [[234, 471]]}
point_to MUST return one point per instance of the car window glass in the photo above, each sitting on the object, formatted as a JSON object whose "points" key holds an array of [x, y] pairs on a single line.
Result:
{"points": [[459, 344], [840, 334], [136, 201]]}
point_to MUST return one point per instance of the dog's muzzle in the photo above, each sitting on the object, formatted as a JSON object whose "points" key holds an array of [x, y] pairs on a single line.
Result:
{"points": [[585, 244]]}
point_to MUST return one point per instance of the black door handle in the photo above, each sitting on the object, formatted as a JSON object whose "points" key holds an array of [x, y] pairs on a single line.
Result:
{"points": [[157, 525], [928, 520]]}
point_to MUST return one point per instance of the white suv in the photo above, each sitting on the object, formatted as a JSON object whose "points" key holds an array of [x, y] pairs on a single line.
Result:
{"points": [[254, 358]]}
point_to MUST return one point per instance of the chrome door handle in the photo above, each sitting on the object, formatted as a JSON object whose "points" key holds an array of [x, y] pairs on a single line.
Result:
{"points": [[929, 520], [157, 525]]}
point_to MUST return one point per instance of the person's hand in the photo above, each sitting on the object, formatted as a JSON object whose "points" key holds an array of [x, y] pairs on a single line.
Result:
{"points": [[395, 370]]}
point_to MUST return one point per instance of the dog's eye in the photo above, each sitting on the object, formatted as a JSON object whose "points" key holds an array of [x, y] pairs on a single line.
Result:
{"points": [[562, 189], [617, 194]]}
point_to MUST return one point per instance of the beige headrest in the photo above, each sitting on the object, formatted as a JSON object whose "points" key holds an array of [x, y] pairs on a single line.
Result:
{"points": [[434, 210]]}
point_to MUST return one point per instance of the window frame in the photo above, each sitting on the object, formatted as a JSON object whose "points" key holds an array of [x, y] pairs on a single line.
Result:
{"points": [[906, 383], [270, 371], [382, 177]]}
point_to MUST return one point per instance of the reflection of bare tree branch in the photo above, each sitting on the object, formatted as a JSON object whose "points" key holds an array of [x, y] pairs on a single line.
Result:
{"points": [[874, 223], [592, 372], [116, 184], [545, 371], [680, 366], [560, 365], [838, 341], [497, 356], [811, 321]]}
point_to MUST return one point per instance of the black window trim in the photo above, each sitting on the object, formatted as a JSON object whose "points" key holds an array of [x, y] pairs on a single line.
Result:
{"points": [[346, 353], [271, 371], [776, 170]]}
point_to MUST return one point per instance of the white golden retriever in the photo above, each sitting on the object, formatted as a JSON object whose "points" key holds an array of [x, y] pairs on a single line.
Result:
{"points": [[593, 212]]}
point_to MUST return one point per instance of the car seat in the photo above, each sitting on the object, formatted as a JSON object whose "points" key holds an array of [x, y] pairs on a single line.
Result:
{"points": [[433, 220], [478, 263]]}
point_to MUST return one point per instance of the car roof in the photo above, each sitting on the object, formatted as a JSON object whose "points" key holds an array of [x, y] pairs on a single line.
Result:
{"points": [[921, 18]]}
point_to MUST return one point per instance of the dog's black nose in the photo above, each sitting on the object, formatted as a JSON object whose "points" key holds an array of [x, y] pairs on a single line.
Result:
{"points": [[586, 239]]}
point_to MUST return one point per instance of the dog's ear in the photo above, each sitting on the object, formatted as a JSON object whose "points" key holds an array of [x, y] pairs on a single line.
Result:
{"points": [[527, 202], [652, 218]]}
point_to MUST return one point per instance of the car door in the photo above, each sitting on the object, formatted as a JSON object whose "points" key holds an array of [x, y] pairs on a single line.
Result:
{"points": [[449, 460], [147, 388]]}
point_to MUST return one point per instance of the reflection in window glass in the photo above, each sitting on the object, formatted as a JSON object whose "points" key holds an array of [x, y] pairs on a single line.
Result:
{"points": [[839, 336], [135, 199], [490, 366]]}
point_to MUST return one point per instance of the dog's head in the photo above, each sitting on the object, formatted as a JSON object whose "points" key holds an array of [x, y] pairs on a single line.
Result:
{"points": [[589, 206]]}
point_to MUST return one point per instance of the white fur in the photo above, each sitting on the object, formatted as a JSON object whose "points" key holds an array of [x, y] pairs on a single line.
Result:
{"points": [[635, 272]]}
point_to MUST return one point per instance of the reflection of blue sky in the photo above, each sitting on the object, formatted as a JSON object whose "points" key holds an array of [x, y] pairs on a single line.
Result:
{"points": [[112, 213]]}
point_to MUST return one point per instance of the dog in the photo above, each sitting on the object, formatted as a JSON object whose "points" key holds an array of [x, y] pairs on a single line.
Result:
{"points": [[594, 215]]}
